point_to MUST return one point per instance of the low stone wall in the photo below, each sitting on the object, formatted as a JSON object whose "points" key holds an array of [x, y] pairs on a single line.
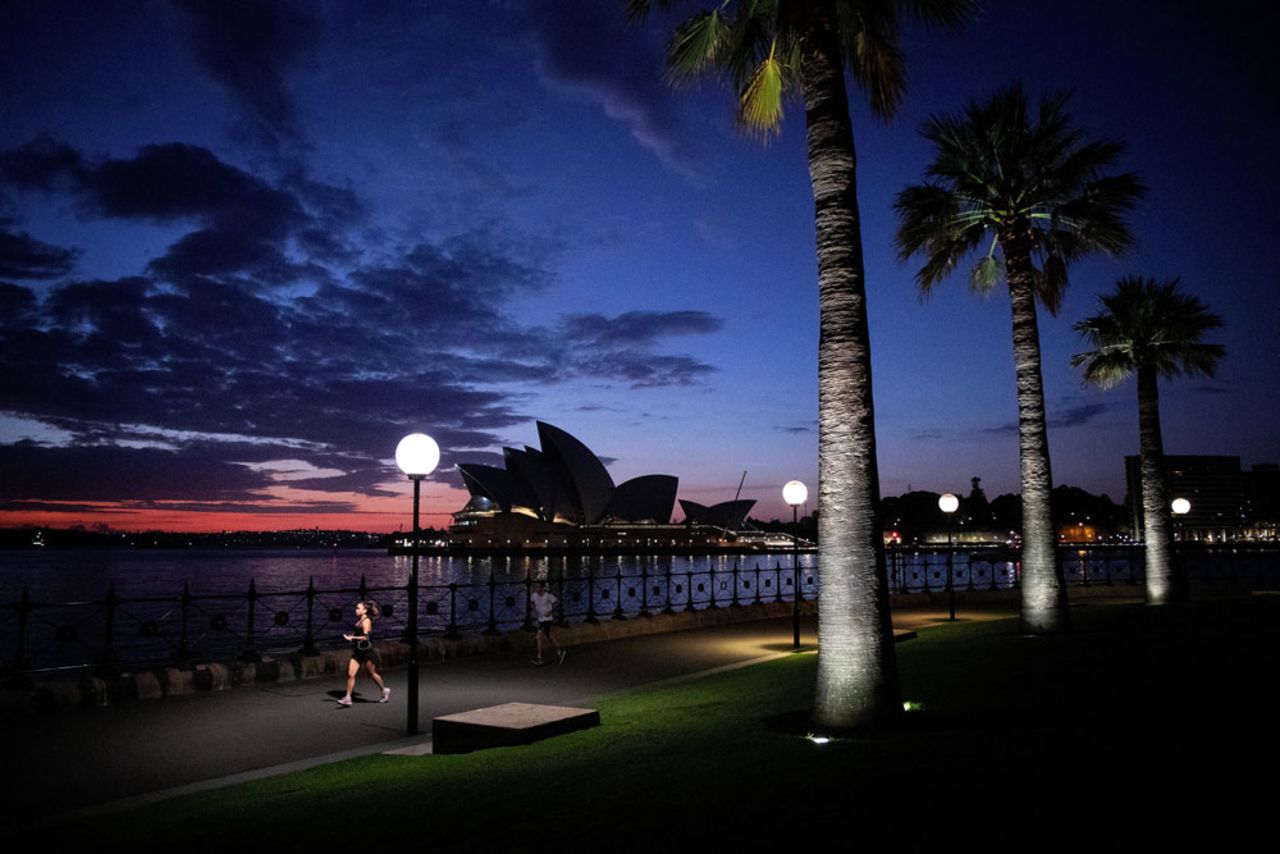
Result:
{"points": [[129, 686]]}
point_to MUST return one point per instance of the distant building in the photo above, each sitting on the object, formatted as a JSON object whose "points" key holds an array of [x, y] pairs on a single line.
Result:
{"points": [[1227, 503]]}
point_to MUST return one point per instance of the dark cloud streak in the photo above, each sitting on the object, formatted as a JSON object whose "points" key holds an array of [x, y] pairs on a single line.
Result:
{"points": [[248, 47], [24, 257]]}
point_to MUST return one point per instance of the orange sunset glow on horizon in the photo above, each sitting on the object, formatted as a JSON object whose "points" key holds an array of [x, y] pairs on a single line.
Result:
{"points": [[280, 508]]}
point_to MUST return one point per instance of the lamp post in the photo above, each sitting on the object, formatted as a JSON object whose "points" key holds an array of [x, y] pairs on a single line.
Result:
{"points": [[795, 493], [948, 504], [417, 455], [1180, 507]]}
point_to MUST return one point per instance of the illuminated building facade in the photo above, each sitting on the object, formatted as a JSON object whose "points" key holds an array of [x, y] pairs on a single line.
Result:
{"points": [[1228, 504], [560, 497]]}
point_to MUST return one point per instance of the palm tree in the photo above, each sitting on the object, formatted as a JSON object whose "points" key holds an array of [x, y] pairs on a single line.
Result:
{"points": [[1029, 192], [1152, 329], [767, 49]]}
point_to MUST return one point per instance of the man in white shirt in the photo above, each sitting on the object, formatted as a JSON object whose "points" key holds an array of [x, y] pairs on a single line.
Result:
{"points": [[543, 603]]}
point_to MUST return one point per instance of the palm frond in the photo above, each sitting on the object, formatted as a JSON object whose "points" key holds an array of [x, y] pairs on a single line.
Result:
{"points": [[751, 35], [1201, 359], [760, 104], [638, 10], [1051, 282], [986, 275], [942, 14], [1153, 323], [875, 57], [1104, 368], [1027, 170], [695, 45]]}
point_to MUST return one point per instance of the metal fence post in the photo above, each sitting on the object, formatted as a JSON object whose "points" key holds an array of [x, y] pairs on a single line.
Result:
{"points": [[618, 613], [669, 609], [734, 601], [644, 587], [451, 631], [528, 625], [309, 638], [251, 653], [561, 620], [591, 592], [492, 628]]}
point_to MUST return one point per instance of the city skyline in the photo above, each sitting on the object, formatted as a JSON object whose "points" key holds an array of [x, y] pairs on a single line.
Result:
{"points": [[242, 252]]}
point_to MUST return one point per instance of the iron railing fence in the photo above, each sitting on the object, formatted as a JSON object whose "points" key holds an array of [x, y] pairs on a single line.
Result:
{"points": [[179, 630]]}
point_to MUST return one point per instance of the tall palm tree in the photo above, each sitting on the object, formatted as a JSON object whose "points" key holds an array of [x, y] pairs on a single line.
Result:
{"points": [[1152, 329], [1028, 191], [767, 49]]}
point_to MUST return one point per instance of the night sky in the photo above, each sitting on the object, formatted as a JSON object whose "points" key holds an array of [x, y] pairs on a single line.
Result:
{"points": [[245, 247]]}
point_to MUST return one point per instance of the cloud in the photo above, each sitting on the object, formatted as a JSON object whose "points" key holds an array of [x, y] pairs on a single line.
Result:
{"points": [[42, 164], [17, 305], [646, 370], [1075, 416], [638, 327], [247, 227], [272, 333], [249, 47], [115, 474], [621, 348], [584, 45], [796, 430], [24, 257]]}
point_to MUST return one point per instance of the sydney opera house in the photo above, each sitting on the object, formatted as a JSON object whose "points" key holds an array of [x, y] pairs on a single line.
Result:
{"points": [[561, 498]]}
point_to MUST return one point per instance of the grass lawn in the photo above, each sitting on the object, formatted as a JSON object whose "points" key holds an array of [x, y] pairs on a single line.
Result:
{"points": [[1143, 728]]}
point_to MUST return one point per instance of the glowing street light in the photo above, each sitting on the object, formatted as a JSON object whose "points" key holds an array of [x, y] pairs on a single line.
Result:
{"points": [[949, 504], [1180, 508], [795, 493], [417, 455]]}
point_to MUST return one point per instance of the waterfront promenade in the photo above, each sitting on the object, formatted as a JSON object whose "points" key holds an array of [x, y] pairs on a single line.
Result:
{"points": [[128, 753], [992, 720]]}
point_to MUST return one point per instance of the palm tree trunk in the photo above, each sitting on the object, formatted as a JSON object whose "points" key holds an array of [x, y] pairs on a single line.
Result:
{"points": [[857, 671], [1164, 582], [1044, 596]]}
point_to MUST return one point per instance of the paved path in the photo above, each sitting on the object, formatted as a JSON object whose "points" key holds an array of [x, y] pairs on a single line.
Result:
{"points": [[89, 759]]}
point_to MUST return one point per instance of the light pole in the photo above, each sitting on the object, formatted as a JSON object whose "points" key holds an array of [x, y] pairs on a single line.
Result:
{"points": [[795, 493], [948, 504], [417, 455], [1180, 507]]}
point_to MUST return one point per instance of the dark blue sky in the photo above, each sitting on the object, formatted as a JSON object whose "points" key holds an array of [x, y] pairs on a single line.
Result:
{"points": [[244, 247]]}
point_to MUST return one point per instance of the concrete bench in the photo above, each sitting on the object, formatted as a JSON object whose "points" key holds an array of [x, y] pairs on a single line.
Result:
{"points": [[507, 725]]}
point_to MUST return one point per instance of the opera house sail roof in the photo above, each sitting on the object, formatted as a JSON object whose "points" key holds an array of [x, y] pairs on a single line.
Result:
{"points": [[564, 482]]}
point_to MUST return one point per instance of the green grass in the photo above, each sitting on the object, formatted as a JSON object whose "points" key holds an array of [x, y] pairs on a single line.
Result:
{"points": [[1138, 729]]}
